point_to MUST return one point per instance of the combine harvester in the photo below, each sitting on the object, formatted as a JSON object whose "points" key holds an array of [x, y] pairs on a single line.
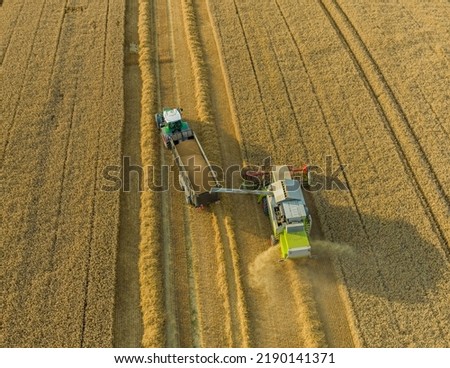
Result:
{"points": [[195, 171], [283, 201], [279, 193]]}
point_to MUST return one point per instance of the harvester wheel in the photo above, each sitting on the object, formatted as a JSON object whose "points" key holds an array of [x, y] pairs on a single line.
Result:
{"points": [[252, 180], [273, 240]]}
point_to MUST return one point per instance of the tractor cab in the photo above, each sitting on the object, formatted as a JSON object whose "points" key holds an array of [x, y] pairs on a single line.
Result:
{"points": [[172, 117], [172, 127]]}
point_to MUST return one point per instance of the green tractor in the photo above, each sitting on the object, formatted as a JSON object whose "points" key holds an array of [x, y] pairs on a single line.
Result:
{"points": [[172, 127]]}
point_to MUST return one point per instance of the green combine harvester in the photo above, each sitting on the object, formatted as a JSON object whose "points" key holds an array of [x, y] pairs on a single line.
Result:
{"points": [[283, 201]]}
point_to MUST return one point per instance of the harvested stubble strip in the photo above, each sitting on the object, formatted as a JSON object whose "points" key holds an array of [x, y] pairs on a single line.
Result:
{"points": [[307, 315], [222, 280], [201, 82], [150, 263], [209, 131], [242, 304], [349, 307]]}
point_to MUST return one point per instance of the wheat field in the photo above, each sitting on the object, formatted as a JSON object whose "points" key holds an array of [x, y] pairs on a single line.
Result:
{"points": [[358, 85], [62, 117]]}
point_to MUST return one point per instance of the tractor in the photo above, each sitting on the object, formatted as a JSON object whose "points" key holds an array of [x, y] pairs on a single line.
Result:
{"points": [[172, 127]]}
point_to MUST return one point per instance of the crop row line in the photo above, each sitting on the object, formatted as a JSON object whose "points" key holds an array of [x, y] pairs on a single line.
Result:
{"points": [[333, 142], [363, 74], [376, 84], [13, 25], [22, 86], [252, 63], [322, 113], [94, 185]]}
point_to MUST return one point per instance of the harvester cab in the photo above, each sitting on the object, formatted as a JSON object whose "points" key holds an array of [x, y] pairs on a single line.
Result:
{"points": [[283, 201]]}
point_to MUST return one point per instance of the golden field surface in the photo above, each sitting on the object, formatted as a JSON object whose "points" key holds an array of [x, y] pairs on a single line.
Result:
{"points": [[62, 117], [360, 85]]}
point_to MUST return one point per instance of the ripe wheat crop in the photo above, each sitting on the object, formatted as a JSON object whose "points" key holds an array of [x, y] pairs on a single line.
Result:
{"points": [[63, 116]]}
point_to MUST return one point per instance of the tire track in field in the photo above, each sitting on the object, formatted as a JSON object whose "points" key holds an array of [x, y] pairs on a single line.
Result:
{"points": [[304, 148], [387, 119], [377, 86], [22, 85], [228, 89], [324, 119], [333, 142], [439, 124], [56, 227], [127, 327], [385, 88], [94, 185], [58, 41], [92, 216], [5, 51], [252, 62], [67, 145]]}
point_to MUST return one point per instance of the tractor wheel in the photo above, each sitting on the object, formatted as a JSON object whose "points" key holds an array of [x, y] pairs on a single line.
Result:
{"points": [[158, 120], [265, 206], [168, 144]]}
